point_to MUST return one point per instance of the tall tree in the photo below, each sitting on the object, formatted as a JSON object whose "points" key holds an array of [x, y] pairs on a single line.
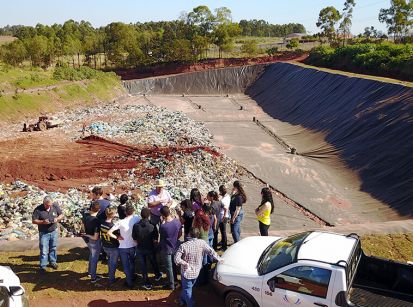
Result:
{"points": [[399, 18], [14, 53], [202, 17], [223, 36], [327, 20], [347, 15], [38, 50]]}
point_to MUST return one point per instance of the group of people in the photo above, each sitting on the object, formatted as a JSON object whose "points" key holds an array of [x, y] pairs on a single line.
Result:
{"points": [[185, 236]]}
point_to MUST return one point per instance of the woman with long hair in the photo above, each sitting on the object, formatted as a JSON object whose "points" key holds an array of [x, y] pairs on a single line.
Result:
{"points": [[202, 223], [196, 199], [264, 211], [238, 198]]}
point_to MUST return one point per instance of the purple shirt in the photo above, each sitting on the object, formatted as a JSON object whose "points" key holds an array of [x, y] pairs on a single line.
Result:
{"points": [[153, 196], [169, 232]]}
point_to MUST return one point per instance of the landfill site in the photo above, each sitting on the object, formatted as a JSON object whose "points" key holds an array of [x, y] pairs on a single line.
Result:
{"points": [[335, 150]]}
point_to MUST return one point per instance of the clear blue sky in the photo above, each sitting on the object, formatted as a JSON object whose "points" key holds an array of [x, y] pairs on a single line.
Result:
{"points": [[102, 12]]}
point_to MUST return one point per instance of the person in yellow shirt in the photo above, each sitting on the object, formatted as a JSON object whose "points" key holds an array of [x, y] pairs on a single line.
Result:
{"points": [[264, 211]]}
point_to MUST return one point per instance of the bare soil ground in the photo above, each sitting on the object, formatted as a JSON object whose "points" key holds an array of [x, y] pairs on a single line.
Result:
{"points": [[175, 68], [71, 164], [69, 285]]}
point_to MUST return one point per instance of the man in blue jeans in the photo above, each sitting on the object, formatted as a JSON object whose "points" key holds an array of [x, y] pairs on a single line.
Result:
{"points": [[110, 245], [127, 246], [46, 216], [189, 256], [170, 230], [91, 237]]}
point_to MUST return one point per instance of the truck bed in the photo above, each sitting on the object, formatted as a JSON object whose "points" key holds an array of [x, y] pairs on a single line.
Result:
{"points": [[380, 282], [364, 297]]}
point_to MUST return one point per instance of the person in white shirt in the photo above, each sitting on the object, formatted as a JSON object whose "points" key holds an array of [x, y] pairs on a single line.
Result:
{"points": [[127, 246], [158, 198], [224, 216]]}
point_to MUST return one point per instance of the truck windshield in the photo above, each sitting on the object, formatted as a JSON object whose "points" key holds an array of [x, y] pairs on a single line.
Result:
{"points": [[281, 253]]}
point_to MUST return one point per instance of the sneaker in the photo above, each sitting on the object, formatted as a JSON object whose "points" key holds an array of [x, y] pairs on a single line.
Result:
{"points": [[54, 266], [159, 277], [147, 286], [96, 279]]}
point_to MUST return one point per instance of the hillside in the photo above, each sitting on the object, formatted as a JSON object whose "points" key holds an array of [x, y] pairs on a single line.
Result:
{"points": [[27, 92]]}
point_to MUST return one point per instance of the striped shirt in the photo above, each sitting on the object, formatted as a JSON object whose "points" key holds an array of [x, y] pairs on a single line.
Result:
{"points": [[190, 255]]}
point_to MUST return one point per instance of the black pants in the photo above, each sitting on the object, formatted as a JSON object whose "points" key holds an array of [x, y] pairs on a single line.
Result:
{"points": [[215, 241], [223, 230], [263, 229]]}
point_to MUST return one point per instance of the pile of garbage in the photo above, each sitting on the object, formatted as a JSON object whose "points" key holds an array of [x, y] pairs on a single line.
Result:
{"points": [[182, 171], [143, 124]]}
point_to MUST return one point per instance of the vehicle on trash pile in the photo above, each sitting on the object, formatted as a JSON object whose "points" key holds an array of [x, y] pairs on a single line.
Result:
{"points": [[44, 123], [12, 294], [310, 269]]}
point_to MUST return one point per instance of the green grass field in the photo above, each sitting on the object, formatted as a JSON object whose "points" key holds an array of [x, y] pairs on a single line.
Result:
{"points": [[29, 91]]}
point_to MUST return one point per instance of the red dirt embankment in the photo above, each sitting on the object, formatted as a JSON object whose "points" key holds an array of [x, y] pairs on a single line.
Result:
{"points": [[178, 68], [60, 165]]}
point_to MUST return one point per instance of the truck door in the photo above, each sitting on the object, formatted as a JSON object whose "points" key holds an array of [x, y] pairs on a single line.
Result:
{"points": [[302, 285]]}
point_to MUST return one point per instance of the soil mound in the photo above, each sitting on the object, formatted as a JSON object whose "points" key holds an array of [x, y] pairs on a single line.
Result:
{"points": [[72, 165]]}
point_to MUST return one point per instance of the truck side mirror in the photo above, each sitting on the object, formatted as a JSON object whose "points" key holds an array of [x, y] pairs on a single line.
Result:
{"points": [[273, 282], [16, 291]]}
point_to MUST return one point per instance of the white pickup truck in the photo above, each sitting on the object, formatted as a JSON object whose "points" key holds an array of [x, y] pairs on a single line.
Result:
{"points": [[11, 292], [310, 269]]}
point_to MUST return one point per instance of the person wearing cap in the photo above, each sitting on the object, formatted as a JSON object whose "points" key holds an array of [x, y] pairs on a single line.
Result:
{"points": [[158, 198], [46, 216]]}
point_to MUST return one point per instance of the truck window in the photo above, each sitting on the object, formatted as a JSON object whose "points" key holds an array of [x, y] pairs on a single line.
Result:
{"points": [[281, 253], [4, 297], [305, 279]]}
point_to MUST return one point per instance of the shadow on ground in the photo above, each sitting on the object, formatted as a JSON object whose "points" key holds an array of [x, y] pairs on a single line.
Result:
{"points": [[62, 286]]}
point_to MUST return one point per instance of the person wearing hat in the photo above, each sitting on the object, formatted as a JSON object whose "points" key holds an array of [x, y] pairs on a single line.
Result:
{"points": [[158, 198]]}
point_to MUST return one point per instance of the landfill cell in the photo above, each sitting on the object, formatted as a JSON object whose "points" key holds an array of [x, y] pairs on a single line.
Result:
{"points": [[365, 124], [78, 164]]}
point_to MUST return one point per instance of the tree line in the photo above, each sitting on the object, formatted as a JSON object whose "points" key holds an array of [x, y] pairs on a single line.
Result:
{"points": [[131, 45], [336, 25]]}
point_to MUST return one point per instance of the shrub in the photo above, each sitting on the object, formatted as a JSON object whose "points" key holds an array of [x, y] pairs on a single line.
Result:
{"points": [[386, 59], [272, 51], [75, 74]]}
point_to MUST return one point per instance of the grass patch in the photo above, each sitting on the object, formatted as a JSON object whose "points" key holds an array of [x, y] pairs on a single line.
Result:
{"points": [[25, 93], [397, 246], [71, 277]]}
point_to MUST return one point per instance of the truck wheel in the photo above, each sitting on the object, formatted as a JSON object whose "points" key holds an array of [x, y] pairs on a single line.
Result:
{"points": [[236, 299]]}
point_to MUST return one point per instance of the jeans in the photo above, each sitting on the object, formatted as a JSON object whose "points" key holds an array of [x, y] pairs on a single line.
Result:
{"points": [[223, 230], [94, 250], [236, 227], [263, 229], [127, 256], [170, 268], [207, 258], [147, 255], [113, 255], [47, 245], [186, 294]]}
